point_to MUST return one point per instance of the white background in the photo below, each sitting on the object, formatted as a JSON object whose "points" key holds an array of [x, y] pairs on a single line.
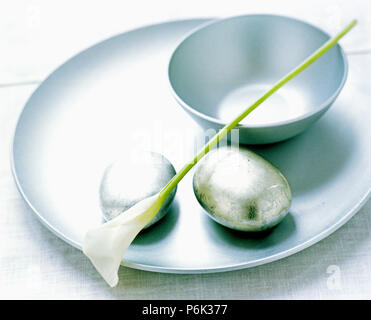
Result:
{"points": [[35, 38]]}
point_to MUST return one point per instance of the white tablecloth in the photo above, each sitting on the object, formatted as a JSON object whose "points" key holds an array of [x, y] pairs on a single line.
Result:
{"points": [[38, 36]]}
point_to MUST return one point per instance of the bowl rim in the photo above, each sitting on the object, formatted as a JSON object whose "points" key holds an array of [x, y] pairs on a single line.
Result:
{"points": [[318, 109]]}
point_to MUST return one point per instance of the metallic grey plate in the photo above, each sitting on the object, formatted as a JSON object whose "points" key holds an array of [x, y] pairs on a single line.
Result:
{"points": [[114, 99]]}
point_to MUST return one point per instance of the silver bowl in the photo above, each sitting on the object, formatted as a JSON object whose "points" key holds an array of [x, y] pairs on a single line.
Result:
{"points": [[222, 67]]}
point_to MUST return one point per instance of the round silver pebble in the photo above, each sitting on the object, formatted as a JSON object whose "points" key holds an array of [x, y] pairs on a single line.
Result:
{"points": [[128, 181]]}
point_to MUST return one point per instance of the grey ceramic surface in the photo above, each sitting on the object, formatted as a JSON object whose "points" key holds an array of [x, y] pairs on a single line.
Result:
{"points": [[85, 115], [222, 68]]}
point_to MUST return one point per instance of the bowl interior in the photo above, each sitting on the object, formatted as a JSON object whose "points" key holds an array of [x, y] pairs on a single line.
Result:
{"points": [[222, 68]]}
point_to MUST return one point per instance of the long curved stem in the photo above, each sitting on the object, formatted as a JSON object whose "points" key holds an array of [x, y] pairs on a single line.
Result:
{"points": [[227, 128]]}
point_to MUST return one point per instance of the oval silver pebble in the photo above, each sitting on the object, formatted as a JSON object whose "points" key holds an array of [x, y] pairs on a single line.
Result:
{"points": [[241, 190], [127, 181]]}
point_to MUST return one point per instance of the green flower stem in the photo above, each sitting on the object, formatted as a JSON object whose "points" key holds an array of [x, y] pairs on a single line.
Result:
{"points": [[224, 131]]}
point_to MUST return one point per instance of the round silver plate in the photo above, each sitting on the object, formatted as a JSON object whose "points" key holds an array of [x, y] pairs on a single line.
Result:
{"points": [[114, 98]]}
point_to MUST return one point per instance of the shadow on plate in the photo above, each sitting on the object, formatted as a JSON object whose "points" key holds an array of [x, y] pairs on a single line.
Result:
{"points": [[161, 229], [314, 157], [251, 240]]}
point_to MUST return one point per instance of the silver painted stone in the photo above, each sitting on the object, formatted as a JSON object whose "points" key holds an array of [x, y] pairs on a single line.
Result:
{"points": [[128, 181], [241, 190]]}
